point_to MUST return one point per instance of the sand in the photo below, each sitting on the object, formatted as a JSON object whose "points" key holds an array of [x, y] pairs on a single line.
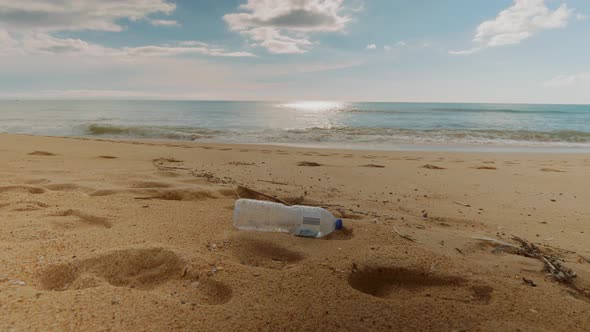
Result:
{"points": [[105, 235]]}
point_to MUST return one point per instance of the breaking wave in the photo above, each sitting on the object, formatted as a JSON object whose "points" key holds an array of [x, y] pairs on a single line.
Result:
{"points": [[349, 135]]}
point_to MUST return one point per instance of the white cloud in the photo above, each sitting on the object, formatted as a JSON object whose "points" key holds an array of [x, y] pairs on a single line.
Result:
{"points": [[192, 43], [387, 48], [166, 23], [371, 47], [276, 42], [401, 43], [581, 17], [520, 21], [29, 27], [466, 52], [284, 26], [8, 45], [41, 43], [162, 51], [568, 80], [75, 15], [45, 44]]}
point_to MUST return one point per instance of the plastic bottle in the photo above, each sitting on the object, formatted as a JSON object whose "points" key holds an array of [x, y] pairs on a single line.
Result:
{"points": [[308, 221]]}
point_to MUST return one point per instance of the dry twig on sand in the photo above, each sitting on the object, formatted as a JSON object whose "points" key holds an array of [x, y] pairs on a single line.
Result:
{"points": [[274, 182], [405, 236], [465, 205]]}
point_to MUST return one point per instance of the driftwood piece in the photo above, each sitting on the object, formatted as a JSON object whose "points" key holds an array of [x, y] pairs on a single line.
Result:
{"points": [[552, 265]]}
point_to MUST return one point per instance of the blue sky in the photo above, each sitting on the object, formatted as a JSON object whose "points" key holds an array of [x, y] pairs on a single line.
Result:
{"points": [[525, 51]]}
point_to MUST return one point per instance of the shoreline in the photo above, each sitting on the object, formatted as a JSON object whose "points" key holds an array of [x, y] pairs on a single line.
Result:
{"points": [[137, 235], [402, 147]]}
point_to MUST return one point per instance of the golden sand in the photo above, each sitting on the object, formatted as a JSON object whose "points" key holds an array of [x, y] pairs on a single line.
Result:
{"points": [[104, 235]]}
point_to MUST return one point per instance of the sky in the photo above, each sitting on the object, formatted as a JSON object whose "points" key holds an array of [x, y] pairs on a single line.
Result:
{"points": [[500, 51]]}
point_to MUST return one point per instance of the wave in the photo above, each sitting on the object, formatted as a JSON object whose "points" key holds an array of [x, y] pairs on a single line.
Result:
{"points": [[347, 135], [176, 133]]}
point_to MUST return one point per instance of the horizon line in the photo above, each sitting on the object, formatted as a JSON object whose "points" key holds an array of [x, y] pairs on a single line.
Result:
{"points": [[2, 99]]}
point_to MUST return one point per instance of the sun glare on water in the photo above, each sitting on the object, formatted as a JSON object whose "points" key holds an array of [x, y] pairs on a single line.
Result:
{"points": [[314, 105]]}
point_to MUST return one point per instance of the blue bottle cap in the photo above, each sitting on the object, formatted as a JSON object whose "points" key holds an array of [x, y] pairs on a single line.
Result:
{"points": [[338, 223]]}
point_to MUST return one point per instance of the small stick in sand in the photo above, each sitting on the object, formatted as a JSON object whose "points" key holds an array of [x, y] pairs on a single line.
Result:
{"points": [[252, 191], [495, 241], [274, 182], [465, 205], [405, 236]]}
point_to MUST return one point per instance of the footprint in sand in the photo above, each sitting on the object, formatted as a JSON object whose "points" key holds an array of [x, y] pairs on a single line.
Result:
{"points": [[80, 219], [429, 166], [259, 253], [171, 194], [149, 184], [22, 189], [551, 170], [135, 268], [373, 166], [143, 269], [308, 164], [41, 153], [490, 168], [405, 284], [168, 174], [37, 181], [182, 194], [68, 187], [25, 206]]}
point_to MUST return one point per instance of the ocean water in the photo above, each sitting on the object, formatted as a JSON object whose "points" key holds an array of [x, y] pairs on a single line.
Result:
{"points": [[351, 125]]}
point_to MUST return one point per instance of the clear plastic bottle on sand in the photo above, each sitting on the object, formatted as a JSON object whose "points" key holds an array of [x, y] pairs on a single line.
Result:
{"points": [[308, 221]]}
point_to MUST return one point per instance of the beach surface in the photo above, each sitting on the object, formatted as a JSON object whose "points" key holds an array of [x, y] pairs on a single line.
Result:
{"points": [[122, 235]]}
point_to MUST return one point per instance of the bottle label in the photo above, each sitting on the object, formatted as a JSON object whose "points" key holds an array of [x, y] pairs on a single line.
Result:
{"points": [[310, 226]]}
